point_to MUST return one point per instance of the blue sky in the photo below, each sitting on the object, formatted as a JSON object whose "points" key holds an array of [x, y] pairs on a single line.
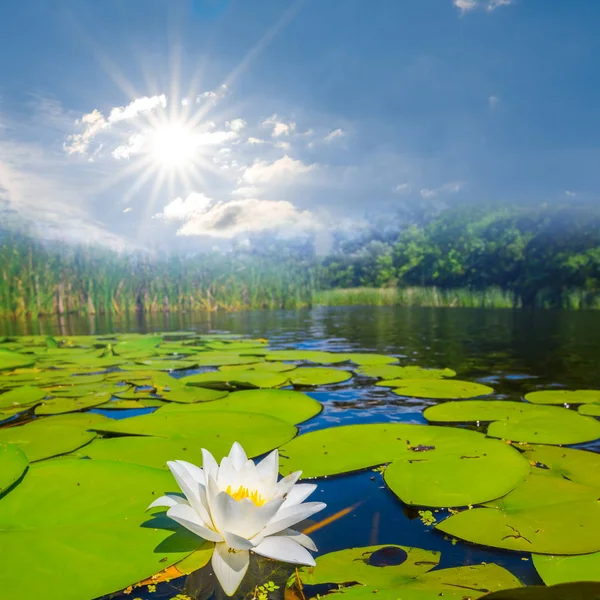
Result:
{"points": [[152, 123]]}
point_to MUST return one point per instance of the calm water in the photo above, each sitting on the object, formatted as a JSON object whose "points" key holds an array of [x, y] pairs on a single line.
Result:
{"points": [[514, 352]]}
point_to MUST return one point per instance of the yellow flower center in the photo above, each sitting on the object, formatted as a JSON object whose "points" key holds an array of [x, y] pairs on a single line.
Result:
{"points": [[243, 492]]}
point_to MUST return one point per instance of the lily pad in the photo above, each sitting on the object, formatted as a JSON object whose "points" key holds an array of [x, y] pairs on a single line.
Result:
{"points": [[579, 466], [236, 379], [563, 397], [366, 358], [411, 580], [160, 365], [21, 396], [289, 406], [13, 360], [90, 523], [57, 406], [437, 388], [246, 428], [13, 463], [40, 439], [312, 376], [463, 411], [431, 466], [545, 515], [83, 391], [565, 591], [131, 404], [217, 359], [314, 356], [272, 367], [567, 569], [591, 410], [410, 372]]}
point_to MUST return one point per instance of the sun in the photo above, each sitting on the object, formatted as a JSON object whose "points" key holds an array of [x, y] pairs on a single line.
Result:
{"points": [[173, 146]]}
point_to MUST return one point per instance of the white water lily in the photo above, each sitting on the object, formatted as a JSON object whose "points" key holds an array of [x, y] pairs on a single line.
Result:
{"points": [[242, 508]]}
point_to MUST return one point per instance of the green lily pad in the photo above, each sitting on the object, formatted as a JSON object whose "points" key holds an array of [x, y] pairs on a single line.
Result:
{"points": [[437, 388], [431, 466], [545, 515], [57, 406], [175, 390], [565, 591], [236, 346], [236, 379], [131, 404], [410, 372], [245, 428], [135, 377], [464, 411], [13, 463], [40, 439], [563, 397], [272, 367], [312, 376], [13, 360], [82, 391], [579, 466], [21, 396], [413, 579], [160, 365], [289, 406], [217, 359], [314, 356], [591, 410], [567, 569], [80, 380], [365, 358], [93, 521]]}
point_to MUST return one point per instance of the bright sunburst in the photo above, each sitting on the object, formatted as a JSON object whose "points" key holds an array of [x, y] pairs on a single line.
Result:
{"points": [[173, 146]]}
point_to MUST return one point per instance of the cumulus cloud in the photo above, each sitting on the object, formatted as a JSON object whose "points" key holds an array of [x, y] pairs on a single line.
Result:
{"points": [[236, 125], [494, 4], [570, 193], [465, 5], [279, 127], [138, 106], [254, 140], [246, 191], [265, 172], [334, 134], [468, 5], [448, 188], [205, 217]]}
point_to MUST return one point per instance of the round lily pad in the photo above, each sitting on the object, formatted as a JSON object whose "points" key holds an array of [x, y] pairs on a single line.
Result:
{"points": [[217, 359], [272, 367], [82, 518], [314, 356], [13, 360], [437, 388], [463, 411], [410, 372], [57, 406], [567, 569], [160, 365], [312, 376], [40, 439], [547, 514], [21, 396], [582, 590], [13, 463], [563, 396], [131, 404], [591, 410], [237, 379], [289, 406], [431, 466], [414, 579]]}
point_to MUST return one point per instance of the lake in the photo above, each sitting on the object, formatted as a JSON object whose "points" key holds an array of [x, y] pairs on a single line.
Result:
{"points": [[515, 352]]}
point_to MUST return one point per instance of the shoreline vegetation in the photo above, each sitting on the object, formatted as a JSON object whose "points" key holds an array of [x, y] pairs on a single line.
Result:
{"points": [[534, 257]]}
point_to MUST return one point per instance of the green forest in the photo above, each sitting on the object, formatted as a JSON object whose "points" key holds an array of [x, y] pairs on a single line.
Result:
{"points": [[523, 257]]}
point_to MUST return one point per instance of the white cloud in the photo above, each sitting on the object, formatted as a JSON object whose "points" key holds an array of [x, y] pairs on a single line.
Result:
{"points": [[448, 188], [282, 145], [93, 123], [253, 140], [402, 188], [334, 134], [570, 193], [138, 106], [228, 219], [468, 5], [246, 191], [135, 144], [127, 210], [493, 102], [465, 5], [265, 172], [213, 96], [280, 127], [236, 125], [210, 138], [494, 4], [181, 210]]}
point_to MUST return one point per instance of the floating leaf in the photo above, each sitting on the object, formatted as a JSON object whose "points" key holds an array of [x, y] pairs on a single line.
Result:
{"points": [[312, 376], [289, 406], [410, 372], [57, 406], [592, 410], [82, 391], [84, 518], [544, 515], [12, 360], [272, 367], [437, 388], [567, 591], [314, 356], [131, 404], [41, 439], [13, 463], [235, 379], [463, 411], [411, 580], [563, 397], [160, 365], [567, 569], [217, 359], [365, 358], [21, 396], [428, 468]]}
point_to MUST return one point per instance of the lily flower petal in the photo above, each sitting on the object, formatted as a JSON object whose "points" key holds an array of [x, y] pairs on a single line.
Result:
{"points": [[298, 494], [268, 467], [302, 539], [188, 518], [285, 549], [249, 519], [287, 483], [287, 517], [209, 464], [229, 566], [237, 456], [237, 542], [168, 500], [196, 472]]}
